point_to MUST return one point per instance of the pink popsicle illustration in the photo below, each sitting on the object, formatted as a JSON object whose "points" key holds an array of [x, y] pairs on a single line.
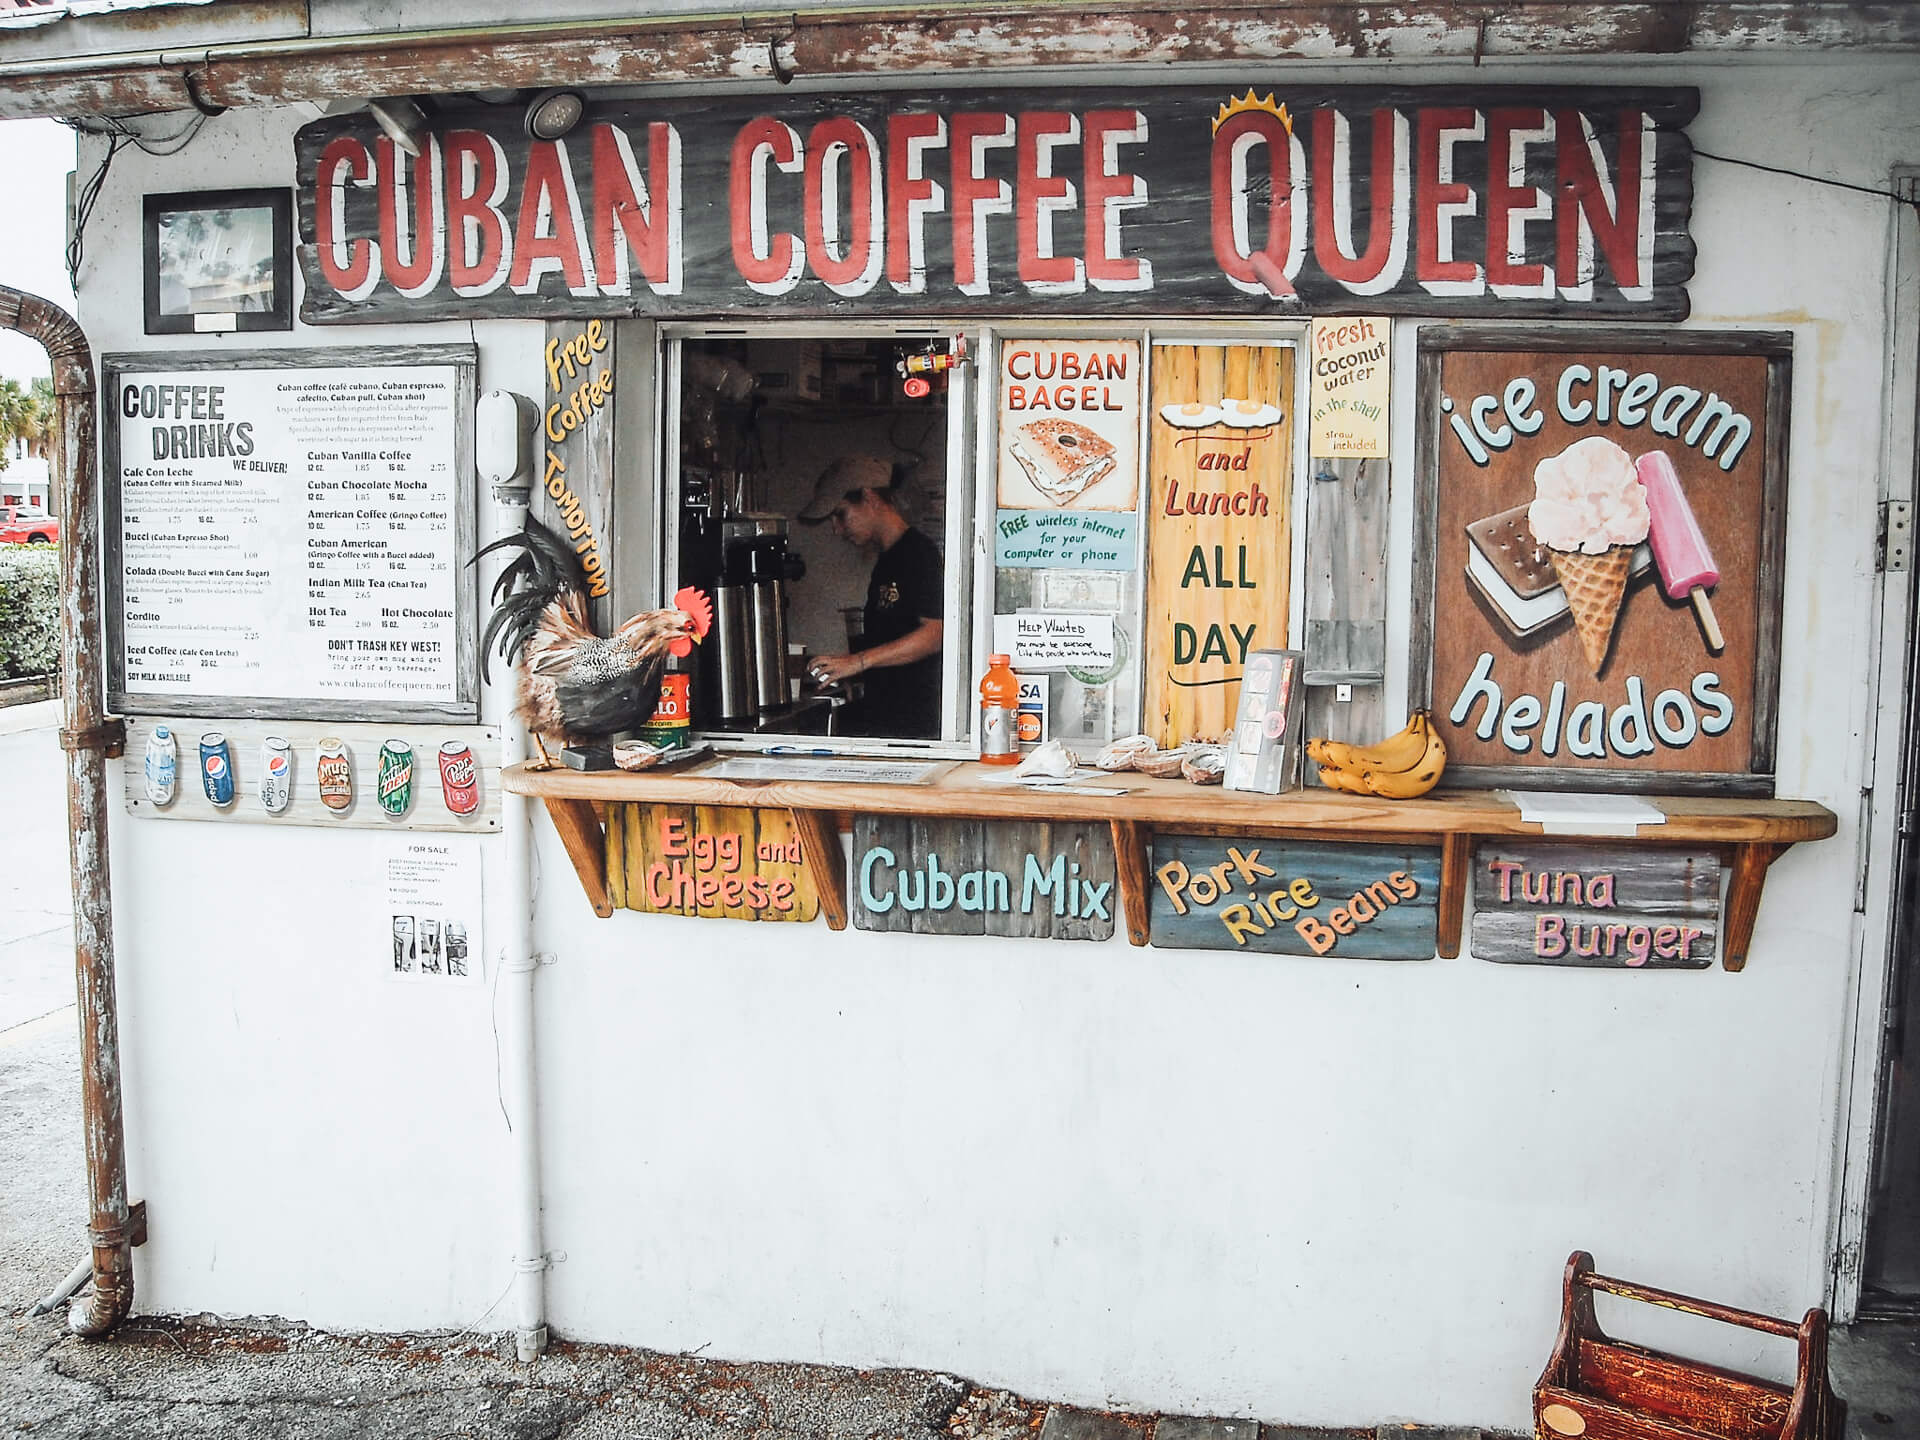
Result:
{"points": [[1686, 564]]}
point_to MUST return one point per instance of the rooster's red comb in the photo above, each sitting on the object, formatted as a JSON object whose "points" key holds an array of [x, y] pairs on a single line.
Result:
{"points": [[695, 604]]}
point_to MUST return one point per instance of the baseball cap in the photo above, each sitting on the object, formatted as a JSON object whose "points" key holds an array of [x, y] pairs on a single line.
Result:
{"points": [[841, 478]]}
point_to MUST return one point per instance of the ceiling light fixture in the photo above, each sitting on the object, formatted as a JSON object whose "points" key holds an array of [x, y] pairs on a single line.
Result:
{"points": [[552, 113], [404, 121]]}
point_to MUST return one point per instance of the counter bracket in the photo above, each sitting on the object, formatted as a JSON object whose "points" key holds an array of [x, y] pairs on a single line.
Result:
{"points": [[578, 823]]}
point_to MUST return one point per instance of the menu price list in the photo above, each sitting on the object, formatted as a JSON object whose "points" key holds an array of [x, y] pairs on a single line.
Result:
{"points": [[290, 533]]}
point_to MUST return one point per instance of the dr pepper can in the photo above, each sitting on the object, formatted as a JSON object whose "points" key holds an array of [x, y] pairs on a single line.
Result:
{"points": [[335, 774], [216, 768], [394, 787], [459, 779]]}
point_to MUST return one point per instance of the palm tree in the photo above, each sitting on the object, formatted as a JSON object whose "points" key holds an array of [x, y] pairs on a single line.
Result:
{"points": [[38, 431], [15, 405]]}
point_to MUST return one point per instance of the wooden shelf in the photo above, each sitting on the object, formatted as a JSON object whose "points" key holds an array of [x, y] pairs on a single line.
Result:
{"points": [[1749, 834]]}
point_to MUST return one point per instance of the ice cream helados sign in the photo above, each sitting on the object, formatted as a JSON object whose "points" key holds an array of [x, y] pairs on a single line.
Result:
{"points": [[1604, 509]]}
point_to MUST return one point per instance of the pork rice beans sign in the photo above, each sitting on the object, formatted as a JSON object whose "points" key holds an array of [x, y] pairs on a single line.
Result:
{"points": [[1465, 201], [1601, 524]]}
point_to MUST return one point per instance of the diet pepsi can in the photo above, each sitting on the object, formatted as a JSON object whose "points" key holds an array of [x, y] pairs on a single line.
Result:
{"points": [[276, 774], [394, 786], [429, 945], [459, 778], [162, 767], [335, 773], [216, 768], [456, 948], [403, 944]]}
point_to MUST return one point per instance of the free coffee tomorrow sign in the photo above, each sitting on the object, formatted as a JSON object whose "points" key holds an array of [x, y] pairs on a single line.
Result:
{"points": [[1522, 201], [1601, 523]]}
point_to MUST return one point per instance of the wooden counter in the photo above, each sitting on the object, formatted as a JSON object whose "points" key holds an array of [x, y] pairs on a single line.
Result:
{"points": [[1749, 834]]}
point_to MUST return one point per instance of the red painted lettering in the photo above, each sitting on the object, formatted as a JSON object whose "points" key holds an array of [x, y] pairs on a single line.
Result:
{"points": [[769, 263], [847, 256], [637, 218], [350, 268], [911, 197], [975, 197], [479, 245], [1042, 195]]}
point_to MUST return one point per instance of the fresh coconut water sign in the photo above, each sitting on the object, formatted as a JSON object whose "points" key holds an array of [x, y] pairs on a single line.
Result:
{"points": [[1602, 528]]}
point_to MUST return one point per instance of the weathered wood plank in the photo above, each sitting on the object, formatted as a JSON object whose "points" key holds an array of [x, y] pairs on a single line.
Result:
{"points": [[1023, 879], [1611, 906], [1217, 583], [1749, 879], [1345, 598], [427, 812], [1173, 156], [1370, 902], [712, 861]]}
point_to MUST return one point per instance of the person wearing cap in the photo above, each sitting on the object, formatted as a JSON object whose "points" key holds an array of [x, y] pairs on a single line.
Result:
{"points": [[897, 659]]}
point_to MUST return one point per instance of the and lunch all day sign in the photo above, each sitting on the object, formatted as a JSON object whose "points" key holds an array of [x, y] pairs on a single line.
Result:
{"points": [[1513, 201]]}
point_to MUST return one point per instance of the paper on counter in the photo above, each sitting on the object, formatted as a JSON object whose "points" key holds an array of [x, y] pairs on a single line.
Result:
{"points": [[1563, 814]]}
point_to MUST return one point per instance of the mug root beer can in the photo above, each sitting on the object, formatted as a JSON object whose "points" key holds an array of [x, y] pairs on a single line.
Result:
{"points": [[394, 785], [335, 773]]}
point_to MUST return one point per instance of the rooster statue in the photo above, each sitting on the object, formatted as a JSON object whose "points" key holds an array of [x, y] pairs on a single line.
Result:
{"points": [[576, 686]]}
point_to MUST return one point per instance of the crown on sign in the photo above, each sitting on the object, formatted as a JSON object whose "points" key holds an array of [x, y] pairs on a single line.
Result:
{"points": [[1247, 102]]}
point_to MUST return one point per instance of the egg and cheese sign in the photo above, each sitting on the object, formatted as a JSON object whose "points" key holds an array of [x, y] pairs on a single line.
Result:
{"points": [[1521, 201]]}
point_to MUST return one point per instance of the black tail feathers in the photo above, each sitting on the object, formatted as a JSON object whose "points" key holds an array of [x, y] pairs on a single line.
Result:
{"points": [[544, 570]]}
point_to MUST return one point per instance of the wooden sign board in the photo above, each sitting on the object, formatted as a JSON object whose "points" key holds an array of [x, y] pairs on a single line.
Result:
{"points": [[1517, 201], [1038, 879], [1366, 902], [1610, 906], [1219, 528], [1602, 524], [574, 495], [427, 810], [720, 862]]}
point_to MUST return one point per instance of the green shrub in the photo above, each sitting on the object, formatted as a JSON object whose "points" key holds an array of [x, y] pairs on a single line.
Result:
{"points": [[29, 610]]}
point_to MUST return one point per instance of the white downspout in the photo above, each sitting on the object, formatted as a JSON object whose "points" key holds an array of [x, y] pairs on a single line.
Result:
{"points": [[513, 989]]}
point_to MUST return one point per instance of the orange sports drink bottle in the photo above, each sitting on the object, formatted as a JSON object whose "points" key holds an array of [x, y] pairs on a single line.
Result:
{"points": [[999, 707]]}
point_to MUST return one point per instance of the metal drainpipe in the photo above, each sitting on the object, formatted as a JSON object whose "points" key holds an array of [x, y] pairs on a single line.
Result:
{"points": [[89, 738]]}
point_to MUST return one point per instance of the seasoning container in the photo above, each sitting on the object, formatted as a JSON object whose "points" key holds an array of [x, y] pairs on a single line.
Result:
{"points": [[999, 713]]}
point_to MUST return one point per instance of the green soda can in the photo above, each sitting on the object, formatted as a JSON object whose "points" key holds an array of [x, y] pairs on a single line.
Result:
{"points": [[394, 785]]}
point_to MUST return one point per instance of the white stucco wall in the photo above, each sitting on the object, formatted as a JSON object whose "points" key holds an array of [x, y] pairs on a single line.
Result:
{"points": [[1317, 1191]]}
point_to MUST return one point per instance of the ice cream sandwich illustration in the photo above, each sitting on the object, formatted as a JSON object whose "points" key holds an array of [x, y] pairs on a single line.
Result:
{"points": [[1515, 576], [1061, 457], [1590, 512]]}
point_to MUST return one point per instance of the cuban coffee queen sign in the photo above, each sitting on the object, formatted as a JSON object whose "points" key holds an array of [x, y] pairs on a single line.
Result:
{"points": [[1486, 201]]}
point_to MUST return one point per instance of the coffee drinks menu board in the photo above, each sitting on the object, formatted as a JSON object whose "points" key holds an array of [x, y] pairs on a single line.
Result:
{"points": [[288, 533]]}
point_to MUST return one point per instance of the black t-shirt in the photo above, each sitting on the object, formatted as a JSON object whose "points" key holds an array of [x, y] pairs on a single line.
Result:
{"points": [[906, 588]]}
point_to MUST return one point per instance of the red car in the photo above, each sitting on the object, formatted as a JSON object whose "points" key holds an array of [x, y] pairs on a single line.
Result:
{"points": [[27, 525]]}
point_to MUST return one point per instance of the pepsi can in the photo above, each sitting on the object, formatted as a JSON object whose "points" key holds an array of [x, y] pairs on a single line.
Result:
{"points": [[162, 766], [216, 768], [276, 774], [394, 784]]}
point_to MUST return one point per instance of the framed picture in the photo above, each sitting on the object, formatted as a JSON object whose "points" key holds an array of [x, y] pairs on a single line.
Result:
{"points": [[218, 261], [1599, 542]]}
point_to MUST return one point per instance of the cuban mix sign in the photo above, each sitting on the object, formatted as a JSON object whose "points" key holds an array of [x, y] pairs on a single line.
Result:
{"points": [[1523, 201]]}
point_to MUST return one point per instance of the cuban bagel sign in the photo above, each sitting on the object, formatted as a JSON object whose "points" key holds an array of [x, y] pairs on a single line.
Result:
{"points": [[1534, 201]]}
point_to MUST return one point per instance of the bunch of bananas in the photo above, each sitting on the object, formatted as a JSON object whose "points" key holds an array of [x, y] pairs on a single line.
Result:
{"points": [[1398, 768]]}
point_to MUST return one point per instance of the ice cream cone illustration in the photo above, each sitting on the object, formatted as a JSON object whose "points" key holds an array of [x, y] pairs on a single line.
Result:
{"points": [[1590, 511], [1595, 585]]}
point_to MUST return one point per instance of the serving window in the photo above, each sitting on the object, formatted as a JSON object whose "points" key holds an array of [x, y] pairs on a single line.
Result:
{"points": [[819, 484], [1114, 508]]}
